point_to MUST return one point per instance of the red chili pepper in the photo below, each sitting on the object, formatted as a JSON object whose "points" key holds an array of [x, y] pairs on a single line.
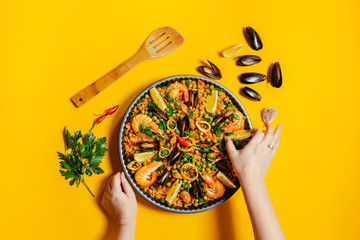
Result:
{"points": [[112, 110], [98, 120], [184, 142]]}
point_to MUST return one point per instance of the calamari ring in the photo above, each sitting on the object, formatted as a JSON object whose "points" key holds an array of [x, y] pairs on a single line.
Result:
{"points": [[184, 173], [166, 149], [170, 121], [197, 123], [134, 165]]}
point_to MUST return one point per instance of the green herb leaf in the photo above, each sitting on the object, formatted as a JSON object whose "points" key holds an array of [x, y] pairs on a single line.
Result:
{"points": [[189, 134]]}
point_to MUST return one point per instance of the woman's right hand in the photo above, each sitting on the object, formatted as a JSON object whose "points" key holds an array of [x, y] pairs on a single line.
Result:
{"points": [[252, 162]]}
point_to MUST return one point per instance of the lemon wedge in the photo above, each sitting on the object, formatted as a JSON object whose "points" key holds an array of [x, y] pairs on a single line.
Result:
{"points": [[211, 102], [140, 157], [158, 100], [173, 191], [240, 135], [232, 51], [225, 180]]}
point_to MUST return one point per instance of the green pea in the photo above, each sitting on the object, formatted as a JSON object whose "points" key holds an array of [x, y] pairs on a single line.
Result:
{"points": [[157, 121], [183, 81], [206, 115], [146, 95], [178, 115], [197, 163], [150, 191], [202, 138], [191, 108], [202, 108], [208, 169], [205, 198], [168, 168], [213, 124], [155, 117], [143, 111], [168, 184], [162, 200], [172, 105], [182, 188], [190, 185], [140, 108], [135, 148], [197, 152], [196, 200], [174, 166], [211, 87], [198, 86], [201, 112], [221, 93], [185, 205], [157, 197], [146, 112], [152, 187], [218, 112], [159, 89], [196, 204], [178, 166], [133, 172], [190, 85], [203, 155], [184, 159], [208, 139], [130, 135], [185, 181]]}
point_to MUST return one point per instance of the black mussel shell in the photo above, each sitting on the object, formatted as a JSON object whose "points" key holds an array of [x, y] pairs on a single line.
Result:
{"points": [[196, 189], [251, 94], [248, 60], [276, 76], [212, 72], [192, 98], [253, 38], [223, 166], [184, 125], [148, 145], [157, 112], [175, 156], [164, 178], [250, 78], [220, 118]]}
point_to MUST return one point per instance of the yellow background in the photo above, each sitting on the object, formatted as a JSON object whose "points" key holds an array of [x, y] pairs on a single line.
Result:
{"points": [[49, 50]]}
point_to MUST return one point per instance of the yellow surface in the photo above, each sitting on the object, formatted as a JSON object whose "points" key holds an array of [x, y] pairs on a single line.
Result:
{"points": [[49, 50]]}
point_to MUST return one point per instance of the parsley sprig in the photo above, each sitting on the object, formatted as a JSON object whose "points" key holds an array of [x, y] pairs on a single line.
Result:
{"points": [[81, 158]]}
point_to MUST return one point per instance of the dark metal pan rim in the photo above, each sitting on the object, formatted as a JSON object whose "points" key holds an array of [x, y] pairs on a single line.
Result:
{"points": [[126, 119]]}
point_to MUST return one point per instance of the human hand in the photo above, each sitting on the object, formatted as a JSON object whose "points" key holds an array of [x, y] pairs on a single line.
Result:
{"points": [[252, 162], [119, 200]]}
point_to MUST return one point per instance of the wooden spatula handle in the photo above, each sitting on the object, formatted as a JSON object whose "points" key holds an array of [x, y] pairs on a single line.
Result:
{"points": [[92, 90]]}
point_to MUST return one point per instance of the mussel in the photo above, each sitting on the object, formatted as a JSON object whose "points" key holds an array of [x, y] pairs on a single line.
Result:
{"points": [[212, 72], [276, 76], [164, 178], [223, 166], [157, 112], [148, 145], [192, 99], [196, 189], [250, 78], [184, 125], [248, 60], [175, 156], [253, 38], [220, 118], [251, 94]]}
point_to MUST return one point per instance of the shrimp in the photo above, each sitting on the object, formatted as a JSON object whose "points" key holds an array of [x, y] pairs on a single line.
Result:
{"points": [[177, 90], [213, 187], [146, 175], [236, 124], [142, 119]]}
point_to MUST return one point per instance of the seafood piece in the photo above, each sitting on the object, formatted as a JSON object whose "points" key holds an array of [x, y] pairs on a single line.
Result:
{"points": [[268, 115], [157, 112], [193, 98], [248, 60], [146, 175], [185, 196], [212, 72], [189, 171], [250, 78], [134, 165], [237, 122], [213, 187], [142, 119], [203, 126], [148, 145], [250, 93], [164, 178], [178, 90], [196, 189], [184, 125], [276, 76], [175, 156], [253, 38], [223, 165], [176, 174]]}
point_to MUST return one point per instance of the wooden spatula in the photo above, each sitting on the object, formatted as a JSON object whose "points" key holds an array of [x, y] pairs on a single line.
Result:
{"points": [[160, 42]]}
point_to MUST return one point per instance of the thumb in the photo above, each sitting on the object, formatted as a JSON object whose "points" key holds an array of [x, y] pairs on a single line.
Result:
{"points": [[230, 147]]}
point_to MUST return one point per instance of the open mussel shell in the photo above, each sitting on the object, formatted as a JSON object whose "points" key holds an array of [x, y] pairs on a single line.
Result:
{"points": [[175, 156], [196, 189], [212, 72], [251, 78], [251, 94], [157, 112], [223, 166], [248, 60], [184, 125], [164, 178], [148, 145], [276, 76], [253, 38], [192, 98]]}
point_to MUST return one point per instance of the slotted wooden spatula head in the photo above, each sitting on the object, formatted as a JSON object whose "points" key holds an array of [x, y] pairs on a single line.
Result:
{"points": [[162, 41]]}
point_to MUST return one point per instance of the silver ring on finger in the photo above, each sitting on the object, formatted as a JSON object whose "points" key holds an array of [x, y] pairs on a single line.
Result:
{"points": [[271, 146]]}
